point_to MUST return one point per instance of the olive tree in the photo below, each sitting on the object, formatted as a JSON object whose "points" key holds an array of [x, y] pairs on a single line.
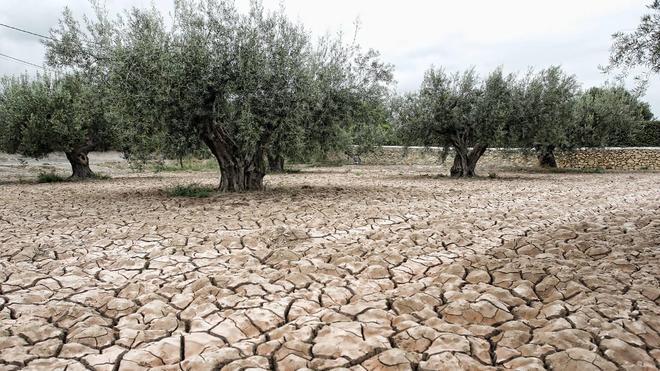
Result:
{"points": [[230, 80], [544, 105], [609, 115], [552, 112], [457, 110], [44, 114]]}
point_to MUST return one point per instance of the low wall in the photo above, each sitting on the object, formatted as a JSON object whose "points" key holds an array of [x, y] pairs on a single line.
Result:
{"points": [[639, 158], [631, 158]]}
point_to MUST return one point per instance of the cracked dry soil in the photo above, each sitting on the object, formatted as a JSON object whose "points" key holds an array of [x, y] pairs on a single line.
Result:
{"points": [[385, 269]]}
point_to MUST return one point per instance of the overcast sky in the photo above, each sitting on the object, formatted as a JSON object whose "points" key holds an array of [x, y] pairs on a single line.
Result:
{"points": [[516, 34]]}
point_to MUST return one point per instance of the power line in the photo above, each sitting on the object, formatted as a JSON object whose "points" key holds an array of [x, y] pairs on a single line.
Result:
{"points": [[43, 36], [22, 61], [27, 32]]}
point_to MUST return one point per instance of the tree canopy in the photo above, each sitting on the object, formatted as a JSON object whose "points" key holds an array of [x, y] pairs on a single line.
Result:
{"points": [[544, 101], [640, 47], [608, 115], [458, 110], [45, 114]]}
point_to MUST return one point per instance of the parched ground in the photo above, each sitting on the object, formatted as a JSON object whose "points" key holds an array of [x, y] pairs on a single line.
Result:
{"points": [[362, 268]]}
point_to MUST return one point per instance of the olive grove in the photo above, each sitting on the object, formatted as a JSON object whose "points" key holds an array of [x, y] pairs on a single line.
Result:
{"points": [[540, 111], [254, 89]]}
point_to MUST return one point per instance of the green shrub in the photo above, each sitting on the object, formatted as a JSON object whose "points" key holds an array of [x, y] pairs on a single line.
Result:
{"points": [[492, 175], [50, 178], [191, 190], [56, 178]]}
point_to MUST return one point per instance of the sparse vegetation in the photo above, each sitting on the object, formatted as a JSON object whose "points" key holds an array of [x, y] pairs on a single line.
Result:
{"points": [[595, 170], [51, 178]]}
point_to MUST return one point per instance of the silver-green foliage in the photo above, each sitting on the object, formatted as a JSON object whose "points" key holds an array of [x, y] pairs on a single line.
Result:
{"points": [[45, 113], [234, 81], [544, 104], [608, 116], [542, 110], [458, 110], [640, 47]]}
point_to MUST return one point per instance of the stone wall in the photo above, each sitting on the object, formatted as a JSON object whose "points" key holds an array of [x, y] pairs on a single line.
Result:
{"points": [[632, 158], [639, 158]]}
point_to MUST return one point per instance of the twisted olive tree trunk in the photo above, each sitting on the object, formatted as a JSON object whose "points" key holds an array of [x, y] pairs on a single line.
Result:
{"points": [[465, 161], [80, 164], [546, 155], [238, 172], [238, 176]]}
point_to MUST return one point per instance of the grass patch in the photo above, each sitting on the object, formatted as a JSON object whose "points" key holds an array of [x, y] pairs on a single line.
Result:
{"points": [[56, 178], [50, 178], [190, 190]]}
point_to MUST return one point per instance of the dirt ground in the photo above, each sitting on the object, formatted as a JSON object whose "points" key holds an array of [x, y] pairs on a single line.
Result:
{"points": [[362, 268]]}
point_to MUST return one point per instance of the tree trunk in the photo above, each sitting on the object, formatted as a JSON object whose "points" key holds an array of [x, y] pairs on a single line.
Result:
{"points": [[465, 162], [79, 165], [276, 163], [237, 177], [237, 173], [546, 155], [460, 162], [474, 157]]}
